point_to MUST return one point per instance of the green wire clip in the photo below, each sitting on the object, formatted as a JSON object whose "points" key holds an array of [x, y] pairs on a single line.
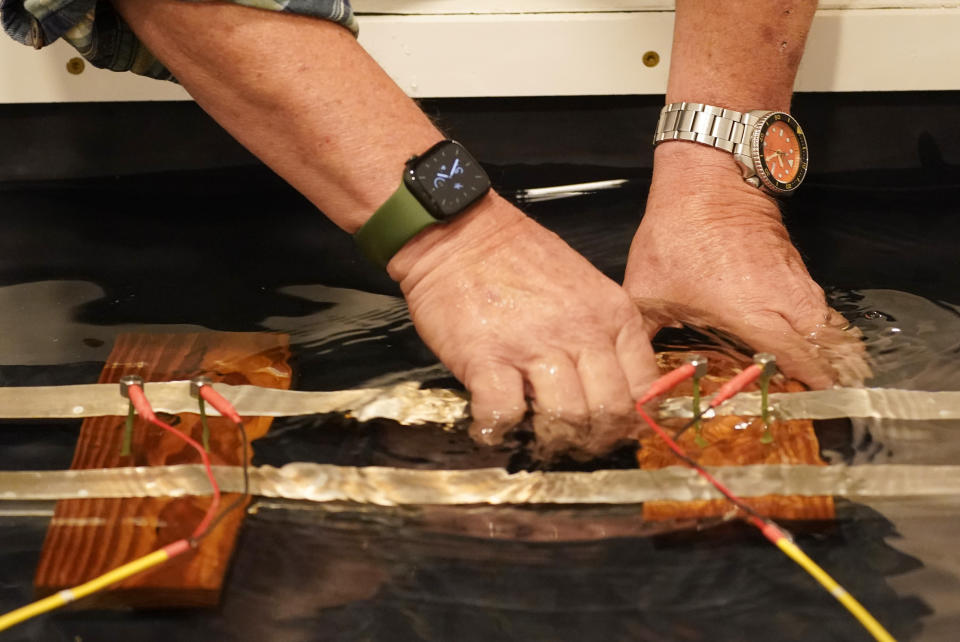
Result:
{"points": [[126, 445], [700, 365], [206, 426], [769, 364], [195, 385]]}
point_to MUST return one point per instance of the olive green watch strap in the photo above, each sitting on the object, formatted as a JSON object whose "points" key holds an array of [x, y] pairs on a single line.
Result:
{"points": [[394, 223]]}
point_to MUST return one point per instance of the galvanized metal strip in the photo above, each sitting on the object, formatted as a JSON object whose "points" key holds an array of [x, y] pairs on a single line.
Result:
{"points": [[405, 403], [396, 486], [408, 404], [875, 403]]}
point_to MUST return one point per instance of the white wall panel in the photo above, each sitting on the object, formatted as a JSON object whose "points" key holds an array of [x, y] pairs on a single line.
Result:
{"points": [[29, 76], [466, 48], [576, 6]]}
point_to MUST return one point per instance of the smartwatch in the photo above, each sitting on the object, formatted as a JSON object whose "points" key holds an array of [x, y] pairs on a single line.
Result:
{"points": [[769, 146], [437, 186]]}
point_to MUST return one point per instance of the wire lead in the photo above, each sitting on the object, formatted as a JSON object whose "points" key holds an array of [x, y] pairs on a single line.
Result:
{"points": [[767, 527]]}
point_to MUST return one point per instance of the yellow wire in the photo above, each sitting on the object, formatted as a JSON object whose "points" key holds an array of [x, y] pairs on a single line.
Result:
{"points": [[120, 573], [66, 596], [856, 609]]}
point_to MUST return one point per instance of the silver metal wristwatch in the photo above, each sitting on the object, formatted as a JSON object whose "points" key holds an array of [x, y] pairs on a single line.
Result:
{"points": [[769, 146]]}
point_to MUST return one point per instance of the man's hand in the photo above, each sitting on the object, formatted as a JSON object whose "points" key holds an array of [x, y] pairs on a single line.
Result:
{"points": [[714, 251], [513, 311], [505, 304]]}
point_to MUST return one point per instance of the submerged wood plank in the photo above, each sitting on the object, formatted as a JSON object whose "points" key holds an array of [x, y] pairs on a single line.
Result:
{"points": [[89, 537], [736, 441]]}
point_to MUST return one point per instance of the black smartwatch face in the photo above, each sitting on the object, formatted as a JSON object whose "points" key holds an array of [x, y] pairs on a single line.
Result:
{"points": [[446, 179]]}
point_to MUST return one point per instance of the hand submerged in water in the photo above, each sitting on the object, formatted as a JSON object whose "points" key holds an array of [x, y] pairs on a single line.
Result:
{"points": [[712, 249], [513, 311]]}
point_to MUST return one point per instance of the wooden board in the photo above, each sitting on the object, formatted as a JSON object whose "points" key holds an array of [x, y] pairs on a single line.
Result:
{"points": [[89, 537], [736, 441]]}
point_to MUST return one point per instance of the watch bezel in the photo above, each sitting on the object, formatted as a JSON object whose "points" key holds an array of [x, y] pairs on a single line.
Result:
{"points": [[424, 196], [759, 163]]}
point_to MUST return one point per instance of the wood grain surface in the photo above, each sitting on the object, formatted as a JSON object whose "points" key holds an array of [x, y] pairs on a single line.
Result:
{"points": [[736, 441], [89, 537]]}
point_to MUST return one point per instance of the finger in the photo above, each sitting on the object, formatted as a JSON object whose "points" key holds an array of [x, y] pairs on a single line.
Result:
{"points": [[636, 357], [556, 389], [560, 419], [496, 401], [837, 320], [656, 314], [607, 394], [555, 437], [797, 357], [826, 329], [841, 344]]}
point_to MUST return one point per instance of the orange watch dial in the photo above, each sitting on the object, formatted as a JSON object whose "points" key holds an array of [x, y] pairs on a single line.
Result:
{"points": [[780, 151]]}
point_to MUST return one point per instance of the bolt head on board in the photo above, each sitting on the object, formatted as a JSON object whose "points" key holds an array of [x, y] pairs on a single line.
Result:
{"points": [[199, 382], [699, 362], [766, 361], [129, 380]]}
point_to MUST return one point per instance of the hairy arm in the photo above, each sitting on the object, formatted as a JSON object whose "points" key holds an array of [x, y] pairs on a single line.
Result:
{"points": [[739, 54], [299, 93], [504, 303], [712, 246]]}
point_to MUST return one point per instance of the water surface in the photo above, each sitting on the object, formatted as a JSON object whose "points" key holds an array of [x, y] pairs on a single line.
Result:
{"points": [[207, 252]]}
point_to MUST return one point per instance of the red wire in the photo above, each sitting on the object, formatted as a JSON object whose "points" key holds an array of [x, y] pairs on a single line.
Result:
{"points": [[215, 502], [668, 381], [218, 401], [139, 400], [727, 390], [675, 447], [736, 384]]}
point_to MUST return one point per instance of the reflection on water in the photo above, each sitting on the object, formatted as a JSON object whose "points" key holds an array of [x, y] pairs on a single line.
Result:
{"points": [[74, 274], [314, 572], [913, 342], [352, 573], [355, 339]]}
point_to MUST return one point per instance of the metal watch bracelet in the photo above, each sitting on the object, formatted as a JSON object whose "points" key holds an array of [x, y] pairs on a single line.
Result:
{"points": [[724, 129], [743, 135]]}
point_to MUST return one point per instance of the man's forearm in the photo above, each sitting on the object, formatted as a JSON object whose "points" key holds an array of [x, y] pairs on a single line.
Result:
{"points": [[300, 93], [507, 306], [305, 98], [735, 54], [738, 54], [690, 248]]}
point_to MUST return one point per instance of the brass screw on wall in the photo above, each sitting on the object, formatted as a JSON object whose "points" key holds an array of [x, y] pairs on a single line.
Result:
{"points": [[651, 58], [75, 65]]}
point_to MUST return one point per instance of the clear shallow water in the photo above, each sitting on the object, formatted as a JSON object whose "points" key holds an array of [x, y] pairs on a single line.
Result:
{"points": [[361, 339], [352, 572]]}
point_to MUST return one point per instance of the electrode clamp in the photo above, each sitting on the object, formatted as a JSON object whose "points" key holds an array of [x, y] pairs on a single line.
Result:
{"points": [[699, 362], [129, 380], [199, 382], [766, 361]]}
